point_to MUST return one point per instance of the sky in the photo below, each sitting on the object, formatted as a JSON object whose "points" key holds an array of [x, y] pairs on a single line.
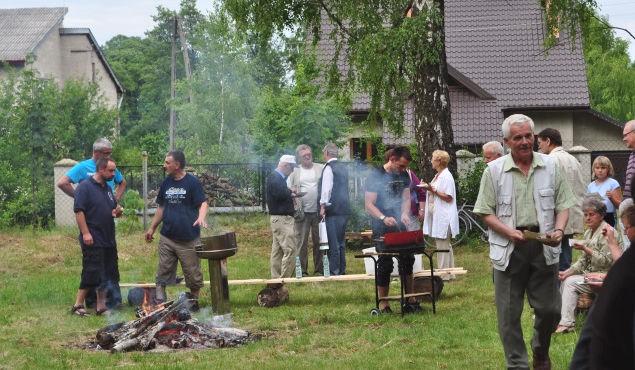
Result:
{"points": [[107, 18]]}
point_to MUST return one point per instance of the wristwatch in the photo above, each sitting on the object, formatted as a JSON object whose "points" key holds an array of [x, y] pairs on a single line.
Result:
{"points": [[382, 217]]}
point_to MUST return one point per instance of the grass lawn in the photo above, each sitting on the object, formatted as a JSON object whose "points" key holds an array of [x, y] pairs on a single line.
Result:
{"points": [[324, 325]]}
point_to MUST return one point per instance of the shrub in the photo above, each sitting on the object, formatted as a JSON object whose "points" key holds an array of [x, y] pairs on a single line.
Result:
{"points": [[132, 203], [470, 182]]}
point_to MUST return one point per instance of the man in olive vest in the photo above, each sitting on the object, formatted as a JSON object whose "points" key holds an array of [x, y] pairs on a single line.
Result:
{"points": [[335, 207], [524, 191]]}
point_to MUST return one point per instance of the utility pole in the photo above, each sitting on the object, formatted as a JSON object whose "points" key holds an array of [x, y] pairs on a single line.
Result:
{"points": [[186, 56], [177, 32], [172, 130]]}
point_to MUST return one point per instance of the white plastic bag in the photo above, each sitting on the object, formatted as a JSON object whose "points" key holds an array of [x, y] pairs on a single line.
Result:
{"points": [[324, 239]]}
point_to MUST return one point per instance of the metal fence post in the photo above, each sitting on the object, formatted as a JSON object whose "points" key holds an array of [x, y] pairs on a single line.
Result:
{"points": [[145, 189], [263, 177]]}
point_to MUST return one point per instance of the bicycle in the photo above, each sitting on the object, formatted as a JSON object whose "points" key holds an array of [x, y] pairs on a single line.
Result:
{"points": [[468, 222]]}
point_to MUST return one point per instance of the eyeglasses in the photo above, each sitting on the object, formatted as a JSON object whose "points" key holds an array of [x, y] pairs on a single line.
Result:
{"points": [[626, 134]]}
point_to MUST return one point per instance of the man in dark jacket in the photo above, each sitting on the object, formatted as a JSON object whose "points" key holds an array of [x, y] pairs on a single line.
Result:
{"points": [[280, 204], [335, 207]]}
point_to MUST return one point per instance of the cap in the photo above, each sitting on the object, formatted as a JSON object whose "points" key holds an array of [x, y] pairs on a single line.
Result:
{"points": [[288, 159]]}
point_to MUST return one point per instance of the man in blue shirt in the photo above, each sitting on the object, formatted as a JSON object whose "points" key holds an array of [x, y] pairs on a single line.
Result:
{"points": [[182, 209], [95, 207], [102, 148]]}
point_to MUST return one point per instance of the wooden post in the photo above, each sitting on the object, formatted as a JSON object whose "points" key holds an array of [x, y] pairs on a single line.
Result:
{"points": [[219, 287], [145, 189]]}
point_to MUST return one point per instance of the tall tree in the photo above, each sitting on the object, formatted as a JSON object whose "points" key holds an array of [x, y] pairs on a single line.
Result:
{"points": [[610, 71], [395, 50], [223, 93]]}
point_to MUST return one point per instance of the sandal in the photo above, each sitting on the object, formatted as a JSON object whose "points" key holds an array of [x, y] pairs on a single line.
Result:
{"points": [[562, 329], [79, 310], [103, 311], [386, 310]]}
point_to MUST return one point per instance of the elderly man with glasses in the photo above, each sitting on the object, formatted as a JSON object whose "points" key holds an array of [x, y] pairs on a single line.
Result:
{"points": [[304, 179]]}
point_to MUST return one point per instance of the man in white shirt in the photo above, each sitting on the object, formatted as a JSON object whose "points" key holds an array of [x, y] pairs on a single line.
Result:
{"points": [[334, 205], [550, 142], [304, 179]]}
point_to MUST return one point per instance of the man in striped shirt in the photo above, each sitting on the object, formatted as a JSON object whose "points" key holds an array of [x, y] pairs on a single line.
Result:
{"points": [[629, 139]]}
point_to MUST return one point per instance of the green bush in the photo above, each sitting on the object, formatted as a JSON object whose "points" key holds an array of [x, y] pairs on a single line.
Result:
{"points": [[132, 203], [470, 183]]}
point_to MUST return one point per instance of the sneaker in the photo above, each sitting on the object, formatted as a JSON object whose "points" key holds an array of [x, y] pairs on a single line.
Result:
{"points": [[412, 308]]}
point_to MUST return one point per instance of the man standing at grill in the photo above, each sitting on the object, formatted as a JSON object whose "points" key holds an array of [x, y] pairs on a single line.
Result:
{"points": [[387, 201], [550, 142], [524, 191], [304, 179], [335, 207], [182, 209], [95, 207], [102, 148], [280, 204]]}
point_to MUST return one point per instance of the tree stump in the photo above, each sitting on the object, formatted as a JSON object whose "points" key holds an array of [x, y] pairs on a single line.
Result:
{"points": [[423, 284], [273, 295]]}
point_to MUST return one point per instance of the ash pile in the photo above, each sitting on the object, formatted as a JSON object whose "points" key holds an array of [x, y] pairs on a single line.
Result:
{"points": [[168, 326]]}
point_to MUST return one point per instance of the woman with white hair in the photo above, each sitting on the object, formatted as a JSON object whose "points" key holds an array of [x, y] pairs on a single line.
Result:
{"points": [[601, 246], [441, 219]]}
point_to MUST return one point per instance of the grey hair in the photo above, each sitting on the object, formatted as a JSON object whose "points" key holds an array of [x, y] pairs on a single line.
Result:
{"points": [[494, 145], [300, 148], [331, 149], [627, 202], [101, 144], [516, 119], [595, 202]]}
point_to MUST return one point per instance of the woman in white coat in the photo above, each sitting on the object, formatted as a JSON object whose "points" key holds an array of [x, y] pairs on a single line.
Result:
{"points": [[441, 219]]}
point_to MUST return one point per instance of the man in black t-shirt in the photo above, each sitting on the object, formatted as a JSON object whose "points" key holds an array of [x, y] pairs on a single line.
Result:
{"points": [[387, 201], [182, 209], [95, 207]]}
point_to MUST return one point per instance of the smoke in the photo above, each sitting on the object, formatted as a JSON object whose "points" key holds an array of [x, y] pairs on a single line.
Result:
{"points": [[206, 316]]}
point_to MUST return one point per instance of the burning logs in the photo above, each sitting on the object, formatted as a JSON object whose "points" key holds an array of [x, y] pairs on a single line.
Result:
{"points": [[168, 327]]}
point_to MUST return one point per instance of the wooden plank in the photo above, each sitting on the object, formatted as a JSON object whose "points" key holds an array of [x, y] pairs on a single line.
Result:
{"points": [[312, 279], [398, 298]]}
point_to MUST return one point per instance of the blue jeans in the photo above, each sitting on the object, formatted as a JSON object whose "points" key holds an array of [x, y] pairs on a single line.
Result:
{"points": [[336, 231]]}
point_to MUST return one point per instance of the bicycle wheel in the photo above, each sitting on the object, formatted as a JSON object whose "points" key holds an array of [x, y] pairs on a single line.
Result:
{"points": [[464, 230]]}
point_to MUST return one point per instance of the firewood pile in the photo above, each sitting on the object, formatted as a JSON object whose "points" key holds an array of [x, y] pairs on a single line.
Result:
{"points": [[221, 193], [168, 327]]}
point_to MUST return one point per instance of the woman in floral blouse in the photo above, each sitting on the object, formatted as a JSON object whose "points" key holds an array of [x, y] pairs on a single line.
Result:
{"points": [[598, 256]]}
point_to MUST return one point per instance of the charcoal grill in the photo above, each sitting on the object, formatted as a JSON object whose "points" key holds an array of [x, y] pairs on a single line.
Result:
{"points": [[216, 249], [401, 245]]}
